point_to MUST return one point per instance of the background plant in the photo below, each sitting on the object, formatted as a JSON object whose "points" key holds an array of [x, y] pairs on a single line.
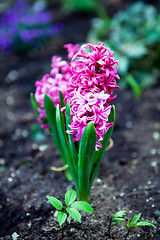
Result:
{"points": [[119, 218], [24, 27], [134, 35], [83, 6], [72, 207], [134, 223]]}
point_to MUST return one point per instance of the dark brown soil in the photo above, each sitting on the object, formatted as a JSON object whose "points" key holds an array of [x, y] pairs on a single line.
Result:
{"points": [[129, 174]]}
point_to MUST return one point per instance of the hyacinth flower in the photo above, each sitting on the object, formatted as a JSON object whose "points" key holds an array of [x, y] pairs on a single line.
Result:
{"points": [[82, 122]]}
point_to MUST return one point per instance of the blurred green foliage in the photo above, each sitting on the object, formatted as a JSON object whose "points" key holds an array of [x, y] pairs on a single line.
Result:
{"points": [[134, 37], [83, 6]]}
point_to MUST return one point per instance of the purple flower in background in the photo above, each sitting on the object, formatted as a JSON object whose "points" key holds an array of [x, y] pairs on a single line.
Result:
{"points": [[24, 25]]}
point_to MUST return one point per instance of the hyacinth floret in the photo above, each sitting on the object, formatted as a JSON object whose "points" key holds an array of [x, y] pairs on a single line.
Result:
{"points": [[90, 90]]}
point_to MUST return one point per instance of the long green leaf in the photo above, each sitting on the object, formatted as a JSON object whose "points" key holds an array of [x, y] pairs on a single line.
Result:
{"points": [[86, 151], [55, 202], [61, 217], [65, 144], [134, 85], [61, 99], [51, 117], [70, 138], [83, 206], [74, 214], [35, 105], [99, 154]]}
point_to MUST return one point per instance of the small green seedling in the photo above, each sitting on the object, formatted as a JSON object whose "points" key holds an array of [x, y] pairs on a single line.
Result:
{"points": [[115, 219], [134, 223], [72, 207]]}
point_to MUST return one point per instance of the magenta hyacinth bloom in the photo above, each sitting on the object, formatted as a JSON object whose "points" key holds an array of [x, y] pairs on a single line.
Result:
{"points": [[90, 90], [87, 80]]}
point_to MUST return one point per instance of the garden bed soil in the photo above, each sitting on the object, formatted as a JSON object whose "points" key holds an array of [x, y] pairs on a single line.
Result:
{"points": [[129, 174]]}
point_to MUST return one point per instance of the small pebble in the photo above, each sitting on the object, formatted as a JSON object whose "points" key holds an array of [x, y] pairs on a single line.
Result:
{"points": [[25, 133], [12, 76], [2, 161], [153, 151], [10, 179], [157, 213], [129, 124], [13, 174], [98, 180], [156, 136], [15, 236], [29, 224], [157, 125], [34, 146], [10, 116], [10, 100], [42, 148]]}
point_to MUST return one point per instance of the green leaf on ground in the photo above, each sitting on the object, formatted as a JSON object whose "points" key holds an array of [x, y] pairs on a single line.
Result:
{"points": [[61, 217], [55, 202], [144, 223], [74, 214], [84, 206], [70, 197]]}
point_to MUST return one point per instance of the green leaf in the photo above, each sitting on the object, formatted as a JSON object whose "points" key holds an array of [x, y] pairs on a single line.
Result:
{"points": [[70, 197], [61, 99], [118, 220], [144, 223], [61, 217], [81, 205], [51, 117], [99, 154], [85, 160], [119, 214], [55, 202], [35, 105], [126, 226], [134, 85], [65, 145], [135, 219], [74, 214], [70, 138]]}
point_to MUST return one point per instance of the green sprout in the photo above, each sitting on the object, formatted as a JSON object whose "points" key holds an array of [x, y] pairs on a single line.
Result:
{"points": [[134, 223], [72, 207], [115, 219], [119, 217]]}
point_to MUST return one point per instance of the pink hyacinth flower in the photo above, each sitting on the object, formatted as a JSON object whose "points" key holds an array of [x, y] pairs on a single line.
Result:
{"points": [[90, 90]]}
